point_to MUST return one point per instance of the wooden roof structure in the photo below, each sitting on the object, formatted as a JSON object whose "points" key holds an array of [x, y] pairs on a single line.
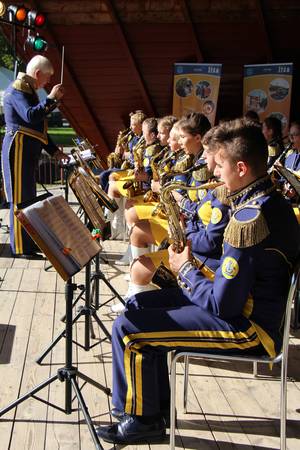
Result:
{"points": [[119, 54]]}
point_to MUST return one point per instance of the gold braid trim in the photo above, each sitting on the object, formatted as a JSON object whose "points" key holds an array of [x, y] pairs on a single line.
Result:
{"points": [[221, 193], [202, 174], [23, 86], [246, 234]]}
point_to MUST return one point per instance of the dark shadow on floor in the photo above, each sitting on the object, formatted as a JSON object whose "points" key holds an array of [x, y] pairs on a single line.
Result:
{"points": [[7, 334]]}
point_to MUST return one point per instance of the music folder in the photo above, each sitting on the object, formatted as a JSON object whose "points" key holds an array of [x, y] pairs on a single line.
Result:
{"points": [[59, 233]]}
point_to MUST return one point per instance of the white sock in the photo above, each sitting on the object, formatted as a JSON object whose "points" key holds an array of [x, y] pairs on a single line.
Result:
{"points": [[138, 251], [137, 288]]}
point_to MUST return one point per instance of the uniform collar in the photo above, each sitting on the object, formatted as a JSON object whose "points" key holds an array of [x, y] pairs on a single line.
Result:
{"points": [[260, 187], [28, 79]]}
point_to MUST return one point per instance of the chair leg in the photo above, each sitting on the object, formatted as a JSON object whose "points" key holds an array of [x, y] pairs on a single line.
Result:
{"points": [[255, 369], [185, 383], [283, 404], [173, 403]]}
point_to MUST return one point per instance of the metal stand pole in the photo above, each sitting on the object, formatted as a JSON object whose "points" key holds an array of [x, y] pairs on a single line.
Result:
{"points": [[89, 312], [67, 374]]}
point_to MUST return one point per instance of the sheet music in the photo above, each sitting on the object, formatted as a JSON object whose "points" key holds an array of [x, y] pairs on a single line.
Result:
{"points": [[86, 155], [63, 232]]}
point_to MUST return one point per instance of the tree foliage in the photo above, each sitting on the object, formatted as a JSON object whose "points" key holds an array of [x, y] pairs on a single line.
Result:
{"points": [[6, 59]]}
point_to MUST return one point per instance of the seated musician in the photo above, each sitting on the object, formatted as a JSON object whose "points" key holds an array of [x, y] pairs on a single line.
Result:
{"points": [[143, 151], [122, 157], [272, 131], [241, 310], [155, 229], [292, 158], [204, 228]]}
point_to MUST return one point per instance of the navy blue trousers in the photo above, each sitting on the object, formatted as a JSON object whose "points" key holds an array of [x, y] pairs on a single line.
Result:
{"points": [[155, 323], [20, 155]]}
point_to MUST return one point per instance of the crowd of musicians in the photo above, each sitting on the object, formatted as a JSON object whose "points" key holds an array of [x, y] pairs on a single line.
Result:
{"points": [[213, 238]]}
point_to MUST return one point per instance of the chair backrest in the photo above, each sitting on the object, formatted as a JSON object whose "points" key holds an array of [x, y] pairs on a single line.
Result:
{"points": [[294, 286]]}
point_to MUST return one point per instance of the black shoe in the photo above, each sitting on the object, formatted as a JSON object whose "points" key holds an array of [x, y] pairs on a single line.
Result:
{"points": [[32, 255], [131, 431], [120, 415]]}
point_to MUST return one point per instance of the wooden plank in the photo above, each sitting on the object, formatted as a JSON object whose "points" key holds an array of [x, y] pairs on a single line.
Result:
{"points": [[12, 280], [12, 373], [62, 429], [31, 431]]}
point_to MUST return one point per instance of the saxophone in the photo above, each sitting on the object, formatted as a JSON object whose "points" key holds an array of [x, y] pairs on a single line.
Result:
{"points": [[114, 159], [136, 187], [164, 277]]}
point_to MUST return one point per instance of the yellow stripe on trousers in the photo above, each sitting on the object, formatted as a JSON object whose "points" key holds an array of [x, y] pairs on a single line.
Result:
{"points": [[210, 339], [18, 190]]}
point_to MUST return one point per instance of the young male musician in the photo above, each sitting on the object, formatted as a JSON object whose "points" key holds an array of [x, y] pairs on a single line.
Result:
{"points": [[240, 311]]}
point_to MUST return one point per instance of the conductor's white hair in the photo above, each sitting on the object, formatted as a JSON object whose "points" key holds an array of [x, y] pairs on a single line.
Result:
{"points": [[39, 62]]}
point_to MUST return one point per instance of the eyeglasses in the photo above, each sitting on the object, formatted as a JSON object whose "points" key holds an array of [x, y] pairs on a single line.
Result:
{"points": [[294, 134]]}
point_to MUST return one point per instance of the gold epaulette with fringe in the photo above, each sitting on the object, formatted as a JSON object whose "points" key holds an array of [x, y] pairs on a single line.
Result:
{"points": [[23, 86], [221, 193], [202, 174], [246, 233]]}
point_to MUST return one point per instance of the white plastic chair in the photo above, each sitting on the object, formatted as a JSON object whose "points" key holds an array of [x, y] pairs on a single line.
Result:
{"points": [[280, 357]]}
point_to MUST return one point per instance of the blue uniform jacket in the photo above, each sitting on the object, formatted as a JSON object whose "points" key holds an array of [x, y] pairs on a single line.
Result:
{"points": [[26, 114], [261, 243], [206, 229]]}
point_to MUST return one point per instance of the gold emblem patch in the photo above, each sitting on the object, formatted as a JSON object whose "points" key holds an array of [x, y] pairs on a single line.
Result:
{"points": [[216, 216], [230, 268]]}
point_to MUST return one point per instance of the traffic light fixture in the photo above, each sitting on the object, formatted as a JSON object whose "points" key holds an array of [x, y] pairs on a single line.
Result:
{"points": [[20, 16]]}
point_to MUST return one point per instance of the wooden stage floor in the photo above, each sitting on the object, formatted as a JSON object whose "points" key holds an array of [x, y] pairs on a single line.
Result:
{"points": [[227, 407]]}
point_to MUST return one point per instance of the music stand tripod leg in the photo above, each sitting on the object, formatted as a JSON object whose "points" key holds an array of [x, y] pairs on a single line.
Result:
{"points": [[66, 374]]}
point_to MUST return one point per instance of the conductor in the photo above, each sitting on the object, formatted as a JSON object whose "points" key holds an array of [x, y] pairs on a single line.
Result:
{"points": [[25, 136]]}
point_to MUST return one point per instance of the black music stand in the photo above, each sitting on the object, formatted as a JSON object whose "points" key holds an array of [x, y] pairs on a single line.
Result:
{"points": [[68, 374]]}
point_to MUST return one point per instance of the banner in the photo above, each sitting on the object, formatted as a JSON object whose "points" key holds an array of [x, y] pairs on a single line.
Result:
{"points": [[196, 88], [267, 90]]}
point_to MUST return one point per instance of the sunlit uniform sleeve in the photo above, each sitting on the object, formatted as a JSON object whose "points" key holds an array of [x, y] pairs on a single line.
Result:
{"points": [[206, 233], [226, 296], [30, 113]]}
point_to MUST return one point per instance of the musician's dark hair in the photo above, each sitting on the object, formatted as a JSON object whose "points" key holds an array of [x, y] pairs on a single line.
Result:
{"points": [[243, 141], [252, 115], [151, 123], [207, 139], [195, 123], [274, 124], [296, 123], [167, 121]]}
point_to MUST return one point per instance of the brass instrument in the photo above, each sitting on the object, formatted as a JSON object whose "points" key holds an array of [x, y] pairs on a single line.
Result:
{"points": [[163, 276], [172, 209], [159, 209], [92, 181], [135, 187], [160, 170], [115, 159]]}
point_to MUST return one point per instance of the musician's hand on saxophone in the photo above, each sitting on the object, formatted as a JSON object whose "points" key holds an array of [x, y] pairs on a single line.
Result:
{"points": [[155, 186], [177, 260]]}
